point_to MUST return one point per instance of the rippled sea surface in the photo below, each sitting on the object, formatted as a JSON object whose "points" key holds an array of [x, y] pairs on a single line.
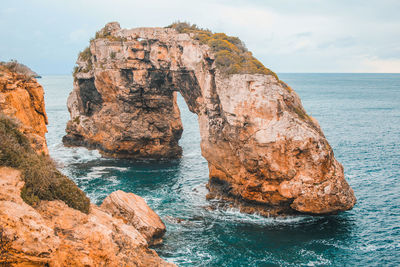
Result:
{"points": [[360, 116]]}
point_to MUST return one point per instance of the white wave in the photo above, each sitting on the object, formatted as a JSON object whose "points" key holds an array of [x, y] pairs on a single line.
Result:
{"points": [[368, 248], [318, 258], [106, 168], [71, 155], [234, 214]]}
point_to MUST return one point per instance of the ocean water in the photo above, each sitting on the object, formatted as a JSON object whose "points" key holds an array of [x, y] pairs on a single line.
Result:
{"points": [[360, 116]]}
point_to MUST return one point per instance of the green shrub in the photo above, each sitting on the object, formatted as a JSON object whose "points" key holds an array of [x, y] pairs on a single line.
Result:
{"points": [[231, 55], [14, 66], [42, 179], [75, 70], [86, 56], [77, 120], [102, 34]]}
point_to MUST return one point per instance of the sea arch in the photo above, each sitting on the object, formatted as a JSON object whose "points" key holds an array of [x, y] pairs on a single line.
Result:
{"points": [[265, 154]]}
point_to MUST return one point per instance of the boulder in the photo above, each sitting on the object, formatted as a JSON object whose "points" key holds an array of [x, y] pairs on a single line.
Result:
{"points": [[135, 211]]}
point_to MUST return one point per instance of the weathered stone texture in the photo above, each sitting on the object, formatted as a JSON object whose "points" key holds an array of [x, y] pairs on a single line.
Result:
{"points": [[264, 152], [53, 234], [22, 98]]}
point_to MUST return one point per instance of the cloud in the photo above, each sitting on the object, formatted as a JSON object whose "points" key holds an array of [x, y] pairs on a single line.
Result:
{"points": [[287, 36], [378, 65]]}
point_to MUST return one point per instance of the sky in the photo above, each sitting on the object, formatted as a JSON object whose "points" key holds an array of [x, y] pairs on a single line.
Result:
{"points": [[286, 35]]}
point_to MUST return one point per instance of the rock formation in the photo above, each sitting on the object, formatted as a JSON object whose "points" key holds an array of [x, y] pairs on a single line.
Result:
{"points": [[53, 234], [265, 154], [22, 97], [134, 211], [15, 66]]}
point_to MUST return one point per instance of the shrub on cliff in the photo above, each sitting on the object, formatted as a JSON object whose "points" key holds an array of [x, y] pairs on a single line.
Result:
{"points": [[231, 55], [86, 56], [14, 66], [108, 35], [42, 179]]}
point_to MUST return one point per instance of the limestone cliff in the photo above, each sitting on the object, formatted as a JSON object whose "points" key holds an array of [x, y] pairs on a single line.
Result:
{"points": [[15, 66], [53, 234], [22, 97], [265, 154], [45, 219]]}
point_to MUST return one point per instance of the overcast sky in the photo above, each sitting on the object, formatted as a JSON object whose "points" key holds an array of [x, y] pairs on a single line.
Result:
{"points": [[287, 36]]}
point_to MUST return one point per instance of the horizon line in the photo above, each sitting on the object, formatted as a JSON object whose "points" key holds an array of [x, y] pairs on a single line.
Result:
{"points": [[67, 74]]}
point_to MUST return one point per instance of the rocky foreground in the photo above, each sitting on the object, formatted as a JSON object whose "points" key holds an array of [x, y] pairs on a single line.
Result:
{"points": [[265, 154], [53, 233]]}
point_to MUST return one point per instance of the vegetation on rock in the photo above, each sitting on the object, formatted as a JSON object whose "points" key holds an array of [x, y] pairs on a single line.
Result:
{"points": [[103, 34], [231, 55], [14, 66], [42, 179], [86, 56], [5, 248]]}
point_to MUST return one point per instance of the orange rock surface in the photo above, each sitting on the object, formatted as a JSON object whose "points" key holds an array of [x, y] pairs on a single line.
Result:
{"points": [[22, 98], [265, 154], [135, 211], [57, 235], [53, 234]]}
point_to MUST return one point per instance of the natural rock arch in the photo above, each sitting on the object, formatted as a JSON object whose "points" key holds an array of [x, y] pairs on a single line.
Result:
{"points": [[264, 152]]}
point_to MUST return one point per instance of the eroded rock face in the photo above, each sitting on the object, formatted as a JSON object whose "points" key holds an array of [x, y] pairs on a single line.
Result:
{"points": [[135, 211], [22, 98], [57, 235], [265, 153]]}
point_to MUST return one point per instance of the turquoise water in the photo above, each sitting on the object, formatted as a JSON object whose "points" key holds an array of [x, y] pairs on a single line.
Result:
{"points": [[360, 115]]}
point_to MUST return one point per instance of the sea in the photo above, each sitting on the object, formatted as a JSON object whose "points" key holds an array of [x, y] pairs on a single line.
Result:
{"points": [[360, 116]]}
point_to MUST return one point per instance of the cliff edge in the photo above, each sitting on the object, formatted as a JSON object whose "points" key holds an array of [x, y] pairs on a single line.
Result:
{"points": [[22, 98]]}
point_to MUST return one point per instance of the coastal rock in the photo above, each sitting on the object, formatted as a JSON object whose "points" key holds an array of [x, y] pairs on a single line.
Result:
{"points": [[22, 98], [265, 154], [133, 210], [15, 66], [57, 235]]}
